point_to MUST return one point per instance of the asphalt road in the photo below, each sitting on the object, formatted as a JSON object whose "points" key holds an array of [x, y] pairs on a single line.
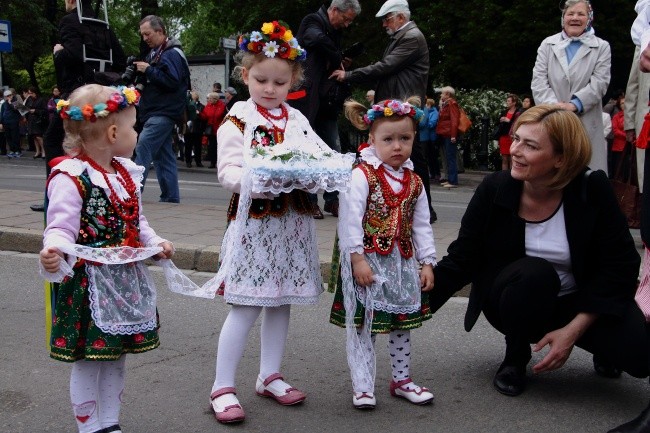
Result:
{"points": [[201, 186], [167, 389]]}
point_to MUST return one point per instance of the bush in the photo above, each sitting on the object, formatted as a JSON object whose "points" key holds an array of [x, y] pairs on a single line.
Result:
{"points": [[483, 107]]}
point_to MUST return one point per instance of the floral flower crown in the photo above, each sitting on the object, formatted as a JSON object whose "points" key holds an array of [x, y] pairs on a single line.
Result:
{"points": [[275, 39], [122, 98], [392, 107]]}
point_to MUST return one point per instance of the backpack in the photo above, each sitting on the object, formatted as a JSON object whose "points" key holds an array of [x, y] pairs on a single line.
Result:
{"points": [[463, 121]]}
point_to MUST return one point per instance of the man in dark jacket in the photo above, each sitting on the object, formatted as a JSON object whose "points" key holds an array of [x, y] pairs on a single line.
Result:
{"points": [[320, 35], [162, 105], [402, 72]]}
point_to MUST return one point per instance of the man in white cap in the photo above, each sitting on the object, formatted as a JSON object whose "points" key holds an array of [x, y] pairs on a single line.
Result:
{"points": [[402, 72]]}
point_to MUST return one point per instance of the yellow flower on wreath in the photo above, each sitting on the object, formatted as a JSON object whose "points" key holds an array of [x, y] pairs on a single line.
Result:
{"points": [[388, 111], [287, 35], [267, 28]]}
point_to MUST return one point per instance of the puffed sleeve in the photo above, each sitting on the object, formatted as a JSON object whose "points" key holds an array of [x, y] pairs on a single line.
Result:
{"points": [[351, 211], [230, 154], [63, 211], [423, 242]]}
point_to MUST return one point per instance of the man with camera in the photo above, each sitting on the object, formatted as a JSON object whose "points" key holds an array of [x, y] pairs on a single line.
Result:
{"points": [[166, 79], [320, 34]]}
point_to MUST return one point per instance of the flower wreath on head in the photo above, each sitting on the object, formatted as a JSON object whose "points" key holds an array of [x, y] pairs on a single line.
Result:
{"points": [[392, 107], [275, 39], [123, 97]]}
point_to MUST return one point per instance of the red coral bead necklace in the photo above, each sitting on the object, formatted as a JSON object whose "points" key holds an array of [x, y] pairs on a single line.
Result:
{"points": [[391, 197], [128, 209], [278, 132]]}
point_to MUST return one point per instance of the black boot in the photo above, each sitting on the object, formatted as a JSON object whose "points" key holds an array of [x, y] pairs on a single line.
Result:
{"points": [[640, 424], [604, 368], [510, 379]]}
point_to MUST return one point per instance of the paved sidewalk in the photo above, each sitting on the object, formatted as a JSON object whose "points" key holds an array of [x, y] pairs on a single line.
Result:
{"points": [[195, 230]]}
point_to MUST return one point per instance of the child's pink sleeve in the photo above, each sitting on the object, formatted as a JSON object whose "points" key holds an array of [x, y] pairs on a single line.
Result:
{"points": [[63, 212]]}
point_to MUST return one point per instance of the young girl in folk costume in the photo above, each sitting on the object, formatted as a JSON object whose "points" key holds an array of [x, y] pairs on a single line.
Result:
{"points": [[270, 255], [384, 237], [94, 212]]}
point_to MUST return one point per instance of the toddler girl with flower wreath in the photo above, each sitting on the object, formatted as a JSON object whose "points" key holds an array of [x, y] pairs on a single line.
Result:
{"points": [[268, 156], [387, 251], [105, 304]]}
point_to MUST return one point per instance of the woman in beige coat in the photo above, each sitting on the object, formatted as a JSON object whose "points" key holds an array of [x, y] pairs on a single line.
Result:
{"points": [[572, 70]]}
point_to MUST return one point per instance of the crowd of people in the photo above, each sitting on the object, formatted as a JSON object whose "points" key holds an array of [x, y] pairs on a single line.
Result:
{"points": [[543, 242]]}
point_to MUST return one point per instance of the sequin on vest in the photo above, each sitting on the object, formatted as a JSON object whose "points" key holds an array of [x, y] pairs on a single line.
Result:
{"points": [[386, 221]]}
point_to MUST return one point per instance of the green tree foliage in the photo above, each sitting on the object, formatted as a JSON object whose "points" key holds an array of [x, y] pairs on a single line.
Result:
{"points": [[474, 44]]}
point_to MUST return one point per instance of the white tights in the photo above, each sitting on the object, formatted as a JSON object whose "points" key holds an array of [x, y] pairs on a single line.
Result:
{"points": [[96, 393], [234, 334]]}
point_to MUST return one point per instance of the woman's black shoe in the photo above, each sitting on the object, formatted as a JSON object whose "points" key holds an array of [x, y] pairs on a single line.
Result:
{"points": [[640, 424], [198, 164], [510, 380], [606, 369]]}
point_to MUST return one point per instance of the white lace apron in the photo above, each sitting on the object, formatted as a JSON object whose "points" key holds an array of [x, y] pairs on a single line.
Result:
{"points": [[121, 290]]}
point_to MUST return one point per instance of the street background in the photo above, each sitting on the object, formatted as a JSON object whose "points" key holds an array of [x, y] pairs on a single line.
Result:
{"points": [[167, 389]]}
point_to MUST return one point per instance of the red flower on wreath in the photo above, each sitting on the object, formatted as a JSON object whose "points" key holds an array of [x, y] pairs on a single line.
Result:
{"points": [[278, 31]]}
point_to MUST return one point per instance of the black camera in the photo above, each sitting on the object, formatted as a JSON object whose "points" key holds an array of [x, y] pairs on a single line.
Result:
{"points": [[131, 76]]}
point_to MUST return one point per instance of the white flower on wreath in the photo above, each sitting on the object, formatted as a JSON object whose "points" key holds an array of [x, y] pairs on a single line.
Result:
{"points": [[270, 49], [256, 36]]}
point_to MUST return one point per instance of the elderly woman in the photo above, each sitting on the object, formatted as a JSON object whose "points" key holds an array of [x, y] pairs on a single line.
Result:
{"points": [[213, 113], [549, 256], [572, 70], [447, 131]]}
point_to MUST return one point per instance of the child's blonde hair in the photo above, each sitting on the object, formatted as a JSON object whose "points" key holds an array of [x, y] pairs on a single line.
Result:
{"points": [[78, 134], [355, 112], [247, 60]]}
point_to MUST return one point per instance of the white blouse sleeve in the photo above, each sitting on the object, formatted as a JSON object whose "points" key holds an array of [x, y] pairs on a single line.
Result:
{"points": [[230, 154], [423, 242], [352, 209], [63, 212], [148, 236]]}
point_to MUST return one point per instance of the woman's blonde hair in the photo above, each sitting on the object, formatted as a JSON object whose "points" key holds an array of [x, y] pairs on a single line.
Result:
{"points": [[354, 112], [79, 134], [246, 60], [568, 137]]}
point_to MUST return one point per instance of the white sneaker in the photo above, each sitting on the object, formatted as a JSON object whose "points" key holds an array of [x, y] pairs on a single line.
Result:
{"points": [[364, 400]]}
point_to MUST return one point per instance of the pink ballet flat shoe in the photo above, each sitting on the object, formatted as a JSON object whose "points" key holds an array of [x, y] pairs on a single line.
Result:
{"points": [[281, 392], [227, 409], [419, 395], [364, 400]]}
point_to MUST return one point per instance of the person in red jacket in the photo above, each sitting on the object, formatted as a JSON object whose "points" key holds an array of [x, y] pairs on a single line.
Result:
{"points": [[447, 130], [620, 140], [213, 114]]}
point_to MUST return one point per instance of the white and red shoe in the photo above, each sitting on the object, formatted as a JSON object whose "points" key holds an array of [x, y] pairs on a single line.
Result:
{"points": [[364, 400], [415, 394], [276, 388], [226, 407]]}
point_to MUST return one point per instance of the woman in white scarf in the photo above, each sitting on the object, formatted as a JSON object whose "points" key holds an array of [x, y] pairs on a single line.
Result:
{"points": [[572, 70]]}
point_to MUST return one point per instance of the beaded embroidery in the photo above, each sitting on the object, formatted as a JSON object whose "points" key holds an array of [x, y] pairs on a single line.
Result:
{"points": [[389, 215]]}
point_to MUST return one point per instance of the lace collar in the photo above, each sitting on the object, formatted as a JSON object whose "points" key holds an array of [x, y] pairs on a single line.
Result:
{"points": [[369, 155], [75, 167]]}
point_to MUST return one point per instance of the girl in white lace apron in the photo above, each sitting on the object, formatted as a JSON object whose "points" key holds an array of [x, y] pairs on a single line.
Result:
{"points": [[384, 238], [269, 253], [103, 308]]}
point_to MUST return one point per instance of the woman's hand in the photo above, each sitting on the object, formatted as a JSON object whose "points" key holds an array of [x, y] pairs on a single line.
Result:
{"points": [[567, 106], [167, 252], [51, 259], [561, 342], [426, 277], [361, 270]]}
